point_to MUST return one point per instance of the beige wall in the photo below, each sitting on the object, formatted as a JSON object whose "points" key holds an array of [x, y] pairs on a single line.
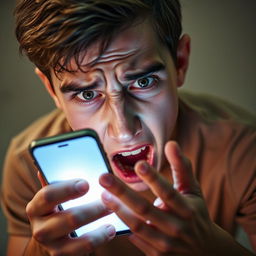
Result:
{"points": [[222, 62]]}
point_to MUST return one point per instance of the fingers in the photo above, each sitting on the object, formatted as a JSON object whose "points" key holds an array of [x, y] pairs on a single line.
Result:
{"points": [[82, 245], [143, 209], [99, 236], [51, 228], [61, 223], [149, 237], [46, 200], [140, 206], [124, 212], [169, 228], [163, 190], [183, 178]]}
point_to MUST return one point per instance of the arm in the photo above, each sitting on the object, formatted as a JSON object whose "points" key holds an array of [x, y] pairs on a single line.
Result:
{"points": [[181, 223], [16, 245]]}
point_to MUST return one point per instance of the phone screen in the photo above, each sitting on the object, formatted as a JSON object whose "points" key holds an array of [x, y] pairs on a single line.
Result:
{"points": [[77, 158]]}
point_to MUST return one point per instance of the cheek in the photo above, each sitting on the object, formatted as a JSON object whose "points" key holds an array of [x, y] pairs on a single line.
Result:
{"points": [[161, 121], [169, 111], [161, 115], [78, 118]]}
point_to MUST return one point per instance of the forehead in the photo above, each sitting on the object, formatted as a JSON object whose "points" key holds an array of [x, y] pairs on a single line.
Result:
{"points": [[139, 39], [132, 48]]}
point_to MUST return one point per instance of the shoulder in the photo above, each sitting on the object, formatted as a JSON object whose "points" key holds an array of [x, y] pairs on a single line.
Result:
{"points": [[215, 119], [211, 109], [216, 123], [50, 124], [220, 139]]}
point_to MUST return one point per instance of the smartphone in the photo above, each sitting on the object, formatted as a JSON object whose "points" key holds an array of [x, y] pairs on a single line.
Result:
{"points": [[72, 155]]}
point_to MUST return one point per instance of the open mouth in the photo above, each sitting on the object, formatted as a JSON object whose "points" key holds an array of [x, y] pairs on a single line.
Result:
{"points": [[126, 160]]}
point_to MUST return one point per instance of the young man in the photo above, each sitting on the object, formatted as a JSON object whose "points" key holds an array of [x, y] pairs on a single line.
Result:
{"points": [[115, 66]]}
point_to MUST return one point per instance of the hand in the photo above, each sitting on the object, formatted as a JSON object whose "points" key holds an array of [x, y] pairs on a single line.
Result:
{"points": [[51, 227], [179, 225]]}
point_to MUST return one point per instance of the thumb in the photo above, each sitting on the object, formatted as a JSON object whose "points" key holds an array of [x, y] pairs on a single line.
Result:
{"points": [[183, 178]]}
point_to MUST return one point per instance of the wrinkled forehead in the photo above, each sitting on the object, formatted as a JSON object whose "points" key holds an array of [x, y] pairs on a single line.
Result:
{"points": [[131, 48], [128, 42]]}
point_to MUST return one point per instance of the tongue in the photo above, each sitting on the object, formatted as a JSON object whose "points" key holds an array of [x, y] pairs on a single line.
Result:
{"points": [[132, 159], [127, 163]]}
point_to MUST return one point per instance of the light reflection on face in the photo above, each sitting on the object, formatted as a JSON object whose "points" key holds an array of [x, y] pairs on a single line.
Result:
{"points": [[129, 97]]}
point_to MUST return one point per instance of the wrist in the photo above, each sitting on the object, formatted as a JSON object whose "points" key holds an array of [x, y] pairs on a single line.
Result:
{"points": [[34, 248], [225, 244]]}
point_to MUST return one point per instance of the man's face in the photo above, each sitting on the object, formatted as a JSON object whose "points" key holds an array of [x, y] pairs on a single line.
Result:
{"points": [[129, 97]]}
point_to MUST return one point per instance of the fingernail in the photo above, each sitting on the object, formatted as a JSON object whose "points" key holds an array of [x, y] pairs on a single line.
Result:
{"points": [[106, 196], [81, 186], [158, 202], [107, 180], [111, 231], [143, 168]]}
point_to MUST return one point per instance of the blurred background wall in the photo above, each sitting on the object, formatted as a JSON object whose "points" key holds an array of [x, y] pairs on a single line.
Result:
{"points": [[223, 63]]}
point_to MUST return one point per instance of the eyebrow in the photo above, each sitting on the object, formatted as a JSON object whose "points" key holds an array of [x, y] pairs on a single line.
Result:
{"points": [[75, 87], [155, 67]]}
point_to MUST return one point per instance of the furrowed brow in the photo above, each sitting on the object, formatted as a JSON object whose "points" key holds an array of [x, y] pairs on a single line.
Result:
{"points": [[73, 87], [150, 69]]}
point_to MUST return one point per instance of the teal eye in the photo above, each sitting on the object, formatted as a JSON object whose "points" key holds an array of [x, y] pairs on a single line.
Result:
{"points": [[87, 95], [144, 82]]}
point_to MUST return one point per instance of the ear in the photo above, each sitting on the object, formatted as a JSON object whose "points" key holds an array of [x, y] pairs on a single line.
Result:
{"points": [[48, 86], [183, 53]]}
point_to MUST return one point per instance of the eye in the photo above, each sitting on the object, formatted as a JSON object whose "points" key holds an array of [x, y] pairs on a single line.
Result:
{"points": [[145, 82], [87, 95]]}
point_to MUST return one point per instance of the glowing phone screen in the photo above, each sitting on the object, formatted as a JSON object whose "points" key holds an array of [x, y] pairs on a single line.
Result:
{"points": [[77, 158]]}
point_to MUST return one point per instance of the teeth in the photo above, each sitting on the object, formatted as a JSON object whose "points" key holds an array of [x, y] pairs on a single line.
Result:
{"points": [[134, 152], [126, 154]]}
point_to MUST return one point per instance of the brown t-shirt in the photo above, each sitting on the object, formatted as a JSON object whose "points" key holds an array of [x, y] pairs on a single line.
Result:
{"points": [[218, 138]]}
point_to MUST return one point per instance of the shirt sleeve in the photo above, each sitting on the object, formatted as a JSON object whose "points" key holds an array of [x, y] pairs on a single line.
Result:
{"points": [[244, 182]]}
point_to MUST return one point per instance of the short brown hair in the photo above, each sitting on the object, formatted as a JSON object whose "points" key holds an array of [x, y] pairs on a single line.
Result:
{"points": [[51, 32]]}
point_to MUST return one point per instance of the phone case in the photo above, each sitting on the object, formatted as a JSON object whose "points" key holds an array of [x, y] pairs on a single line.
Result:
{"points": [[63, 140]]}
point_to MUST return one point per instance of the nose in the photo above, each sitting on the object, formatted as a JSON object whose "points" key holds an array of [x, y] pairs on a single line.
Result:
{"points": [[124, 124]]}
